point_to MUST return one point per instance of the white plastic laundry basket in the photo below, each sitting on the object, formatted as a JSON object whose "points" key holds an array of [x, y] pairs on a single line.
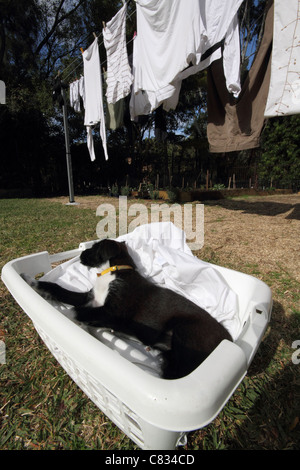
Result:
{"points": [[112, 371]]}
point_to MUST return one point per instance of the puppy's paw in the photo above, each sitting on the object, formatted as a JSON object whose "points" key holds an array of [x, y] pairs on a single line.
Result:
{"points": [[30, 280], [36, 286]]}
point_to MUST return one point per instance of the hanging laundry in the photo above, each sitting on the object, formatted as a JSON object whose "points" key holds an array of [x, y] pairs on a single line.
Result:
{"points": [[81, 89], [237, 124], [172, 38], [57, 97], [114, 117], [119, 76], [74, 96], [94, 112], [143, 102], [284, 91], [77, 94]]}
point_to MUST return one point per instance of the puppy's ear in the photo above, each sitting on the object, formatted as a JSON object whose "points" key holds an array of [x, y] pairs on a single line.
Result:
{"points": [[109, 249], [123, 246]]}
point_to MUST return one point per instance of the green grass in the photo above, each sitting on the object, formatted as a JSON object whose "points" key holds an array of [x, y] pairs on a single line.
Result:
{"points": [[40, 406]]}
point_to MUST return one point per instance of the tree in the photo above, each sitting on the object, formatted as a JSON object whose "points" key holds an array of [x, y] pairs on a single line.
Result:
{"points": [[37, 38], [36, 34], [280, 160], [251, 19]]}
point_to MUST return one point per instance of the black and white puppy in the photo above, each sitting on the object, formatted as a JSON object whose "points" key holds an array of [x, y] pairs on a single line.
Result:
{"points": [[125, 301]]}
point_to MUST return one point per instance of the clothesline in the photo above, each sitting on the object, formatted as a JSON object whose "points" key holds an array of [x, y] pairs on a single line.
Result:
{"points": [[176, 39], [119, 77], [157, 72], [79, 58]]}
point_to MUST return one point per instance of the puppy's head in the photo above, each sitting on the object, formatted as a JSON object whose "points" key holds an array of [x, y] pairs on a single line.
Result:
{"points": [[106, 250]]}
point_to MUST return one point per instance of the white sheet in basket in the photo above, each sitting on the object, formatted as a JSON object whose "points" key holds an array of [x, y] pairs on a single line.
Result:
{"points": [[161, 253]]}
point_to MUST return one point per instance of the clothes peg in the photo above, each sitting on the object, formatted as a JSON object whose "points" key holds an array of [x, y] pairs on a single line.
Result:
{"points": [[104, 24], [95, 36], [82, 51]]}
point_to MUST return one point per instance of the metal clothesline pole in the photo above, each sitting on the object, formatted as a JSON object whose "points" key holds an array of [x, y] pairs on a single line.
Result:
{"points": [[68, 152]]}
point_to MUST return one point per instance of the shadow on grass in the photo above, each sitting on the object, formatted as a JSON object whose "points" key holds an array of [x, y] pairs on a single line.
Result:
{"points": [[273, 421], [264, 412], [277, 331], [265, 208]]}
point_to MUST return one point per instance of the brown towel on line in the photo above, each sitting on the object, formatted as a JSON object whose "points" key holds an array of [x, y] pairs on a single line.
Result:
{"points": [[236, 124]]}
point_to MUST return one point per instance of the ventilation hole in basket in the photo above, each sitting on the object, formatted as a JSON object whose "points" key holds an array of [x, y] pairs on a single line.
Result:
{"points": [[134, 429], [113, 404], [121, 344], [259, 311], [132, 421], [137, 439], [107, 335], [138, 355]]}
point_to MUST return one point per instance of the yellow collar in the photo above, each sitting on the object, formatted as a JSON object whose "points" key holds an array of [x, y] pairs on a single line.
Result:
{"points": [[114, 268]]}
